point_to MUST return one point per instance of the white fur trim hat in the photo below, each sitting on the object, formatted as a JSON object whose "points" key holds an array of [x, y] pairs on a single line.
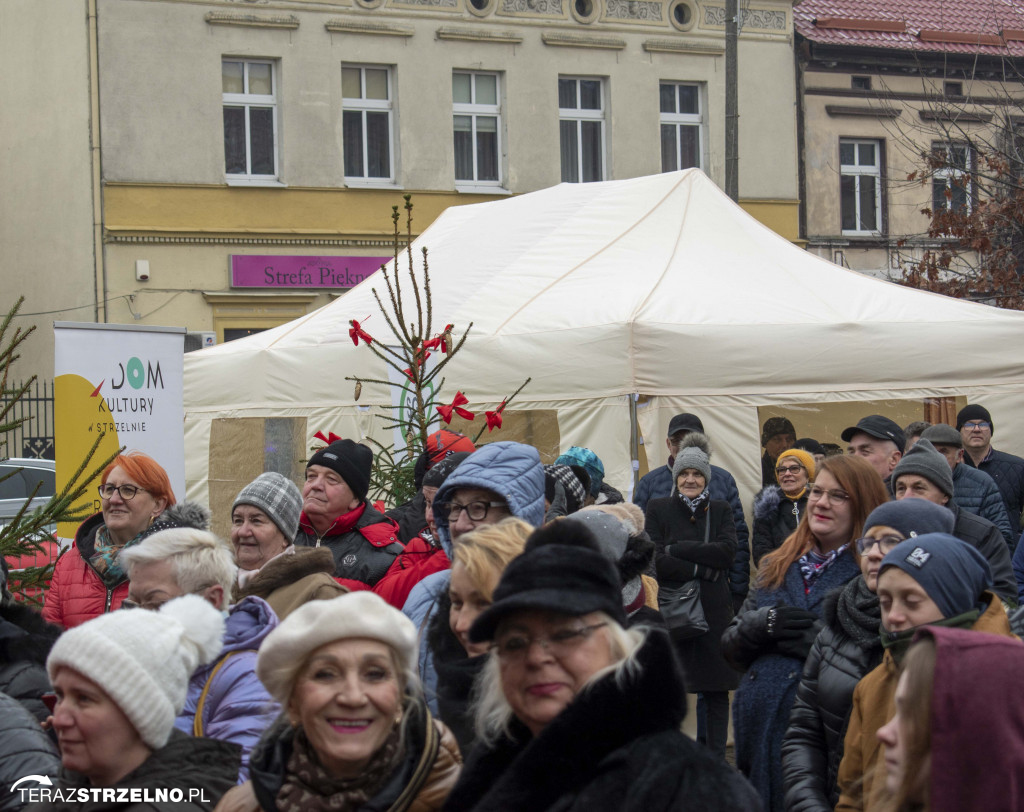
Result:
{"points": [[358, 614], [143, 660]]}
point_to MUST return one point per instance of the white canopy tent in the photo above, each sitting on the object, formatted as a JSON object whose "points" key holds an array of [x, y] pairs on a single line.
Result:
{"points": [[658, 286]]}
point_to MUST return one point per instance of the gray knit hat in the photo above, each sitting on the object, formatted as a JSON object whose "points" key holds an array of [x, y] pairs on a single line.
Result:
{"points": [[693, 458], [278, 497], [925, 461], [943, 435]]}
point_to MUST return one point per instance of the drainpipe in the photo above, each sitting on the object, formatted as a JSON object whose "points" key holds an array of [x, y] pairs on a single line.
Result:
{"points": [[99, 249]]}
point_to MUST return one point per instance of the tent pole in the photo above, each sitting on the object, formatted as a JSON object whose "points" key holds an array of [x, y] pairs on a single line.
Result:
{"points": [[634, 441]]}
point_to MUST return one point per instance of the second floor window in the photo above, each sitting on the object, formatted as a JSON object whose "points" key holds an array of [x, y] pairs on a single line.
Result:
{"points": [[860, 186], [682, 126], [581, 129], [476, 117], [250, 118], [952, 187], [367, 122]]}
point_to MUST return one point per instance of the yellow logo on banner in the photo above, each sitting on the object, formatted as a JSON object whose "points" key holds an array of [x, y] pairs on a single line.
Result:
{"points": [[80, 414]]}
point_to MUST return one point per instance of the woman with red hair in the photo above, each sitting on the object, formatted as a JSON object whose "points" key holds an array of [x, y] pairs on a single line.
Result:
{"points": [[88, 580]]}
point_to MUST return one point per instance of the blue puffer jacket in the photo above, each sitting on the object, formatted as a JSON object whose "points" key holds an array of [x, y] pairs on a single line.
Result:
{"points": [[237, 707], [1018, 570], [976, 492], [1007, 470], [511, 470], [657, 484]]}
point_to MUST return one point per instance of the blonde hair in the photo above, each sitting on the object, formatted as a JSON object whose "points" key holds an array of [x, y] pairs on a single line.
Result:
{"points": [[198, 558], [487, 550], [493, 712]]}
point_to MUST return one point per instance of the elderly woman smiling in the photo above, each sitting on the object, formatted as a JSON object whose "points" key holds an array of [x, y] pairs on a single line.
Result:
{"points": [[355, 732], [578, 713]]}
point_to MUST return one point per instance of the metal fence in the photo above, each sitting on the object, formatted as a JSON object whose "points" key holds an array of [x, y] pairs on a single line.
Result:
{"points": [[34, 437]]}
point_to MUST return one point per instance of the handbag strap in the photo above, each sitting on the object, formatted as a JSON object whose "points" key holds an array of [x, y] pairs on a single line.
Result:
{"points": [[197, 721]]}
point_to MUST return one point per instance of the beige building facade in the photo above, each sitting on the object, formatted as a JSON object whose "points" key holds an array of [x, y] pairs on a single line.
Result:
{"points": [[234, 164]]}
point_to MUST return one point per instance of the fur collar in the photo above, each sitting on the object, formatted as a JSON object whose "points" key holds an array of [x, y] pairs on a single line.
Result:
{"points": [[533, 773], [767, 501], [287, 569]]}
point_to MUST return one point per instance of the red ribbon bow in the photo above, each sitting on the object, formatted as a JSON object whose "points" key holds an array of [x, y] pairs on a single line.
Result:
{"points": [[494, 418], [446, 411], [330, 438], [356, 332], [438, 342]]}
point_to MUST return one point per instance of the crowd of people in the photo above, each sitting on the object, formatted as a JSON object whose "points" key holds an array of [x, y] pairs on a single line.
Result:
{"points": [[518, 636]]}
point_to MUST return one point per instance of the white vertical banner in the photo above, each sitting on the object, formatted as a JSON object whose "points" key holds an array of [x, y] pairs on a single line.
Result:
{"points": [[403, 400], [122, 381]]}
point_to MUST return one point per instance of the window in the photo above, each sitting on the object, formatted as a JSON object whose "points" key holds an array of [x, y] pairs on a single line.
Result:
{"points": [[682, 125], [860, 186], [953, 88], [250, 118], [366, 121], [477, 123], [952, 187], [860, 82], [581, 129]]}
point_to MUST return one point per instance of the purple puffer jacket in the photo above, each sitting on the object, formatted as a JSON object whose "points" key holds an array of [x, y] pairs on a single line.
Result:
{"points": [[237, 708]]}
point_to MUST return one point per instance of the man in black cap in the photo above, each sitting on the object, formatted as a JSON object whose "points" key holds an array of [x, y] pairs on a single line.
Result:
{"points": [[878, 440], [335, 513], [976, 427], [659, 483], [973, 490], [777, 434]]}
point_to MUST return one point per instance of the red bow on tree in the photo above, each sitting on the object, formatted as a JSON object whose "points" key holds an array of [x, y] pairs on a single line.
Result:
{"points": [[438, 341], [409, 375], [446, 411], [330, 438], [356, 332], [494, 418]]}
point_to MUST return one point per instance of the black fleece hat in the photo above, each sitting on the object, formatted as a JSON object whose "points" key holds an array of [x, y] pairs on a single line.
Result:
{"points": [[572, 578], [349, 460], [435, 477], [875, 425], [974, 411]]}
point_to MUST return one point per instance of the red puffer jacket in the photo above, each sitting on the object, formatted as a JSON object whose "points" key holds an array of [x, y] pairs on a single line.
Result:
{"points": [[77, 593]]}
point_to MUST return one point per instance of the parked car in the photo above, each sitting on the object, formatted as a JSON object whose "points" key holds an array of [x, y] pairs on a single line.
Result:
{"points": [[19, 477]]}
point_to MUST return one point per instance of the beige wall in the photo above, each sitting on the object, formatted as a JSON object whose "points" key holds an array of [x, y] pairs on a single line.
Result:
{"points": [[46, 204]]}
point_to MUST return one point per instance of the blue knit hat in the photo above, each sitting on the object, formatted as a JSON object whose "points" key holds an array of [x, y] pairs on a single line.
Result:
{"points": [[588, 461], [950, 571], [912, 517]]}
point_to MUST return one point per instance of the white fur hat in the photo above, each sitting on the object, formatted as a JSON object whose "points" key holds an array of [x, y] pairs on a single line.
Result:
{"points": [[143, 660], [357, 614]]}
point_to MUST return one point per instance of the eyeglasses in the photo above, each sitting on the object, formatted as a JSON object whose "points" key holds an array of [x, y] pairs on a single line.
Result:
{"points": [[816, 493], [559, 644], [477, 511], [788, 469], [978, 424], [885, 544], [126, 492]]}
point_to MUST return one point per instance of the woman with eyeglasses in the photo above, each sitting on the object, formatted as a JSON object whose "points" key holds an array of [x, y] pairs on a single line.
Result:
{"points": [[576, 712], [778, 508], [843, 653], [772, 635], [135, 501]]}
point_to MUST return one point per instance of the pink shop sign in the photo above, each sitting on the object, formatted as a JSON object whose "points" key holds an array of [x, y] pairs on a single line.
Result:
{"points": [[248, 271]]}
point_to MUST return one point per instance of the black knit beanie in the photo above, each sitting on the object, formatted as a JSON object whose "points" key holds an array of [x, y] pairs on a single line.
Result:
{"points": [[974, 411], [349, 460]]}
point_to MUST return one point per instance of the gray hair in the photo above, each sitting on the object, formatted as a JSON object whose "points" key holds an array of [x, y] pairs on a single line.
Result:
{"points": [[493, 714], [198, 558]]}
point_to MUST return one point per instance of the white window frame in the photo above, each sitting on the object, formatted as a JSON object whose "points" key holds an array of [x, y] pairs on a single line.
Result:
{"points": [[473, 109], [950, 173], [364, 106], [248, 101], [858, 171], [677, 120], [580, 115]]}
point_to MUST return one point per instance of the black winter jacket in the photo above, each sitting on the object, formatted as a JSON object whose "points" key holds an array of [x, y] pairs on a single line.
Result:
{"points": [[846, 649], [209, 767], [25, 642], [775, 518], [363, 552], [615, 748], [25, 749], [985, 536], [974, 491], [1008, 472]]}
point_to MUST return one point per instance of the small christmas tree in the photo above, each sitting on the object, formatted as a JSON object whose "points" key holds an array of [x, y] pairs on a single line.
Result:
{"points": [[409, 314]]}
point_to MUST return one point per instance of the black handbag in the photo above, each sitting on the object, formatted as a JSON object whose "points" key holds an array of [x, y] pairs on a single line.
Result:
{"points": [[681, 607]]}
